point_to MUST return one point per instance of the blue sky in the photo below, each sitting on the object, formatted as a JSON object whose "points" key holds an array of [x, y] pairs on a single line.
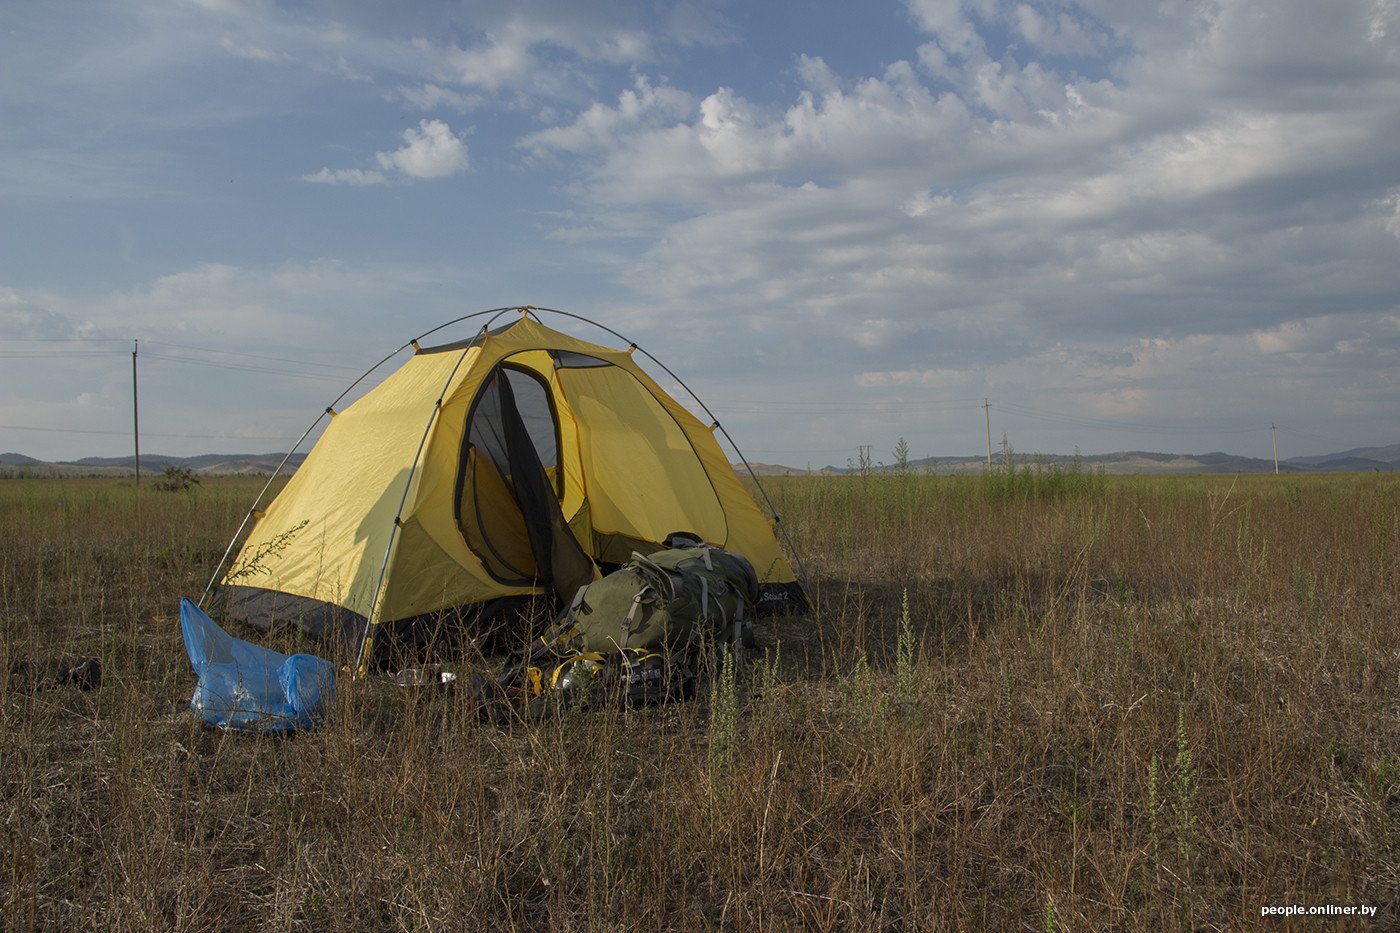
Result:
{"points": [[1129, 225]]}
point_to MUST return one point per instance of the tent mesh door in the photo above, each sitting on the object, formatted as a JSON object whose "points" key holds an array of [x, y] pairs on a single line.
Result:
{"points": [[509, 484]]}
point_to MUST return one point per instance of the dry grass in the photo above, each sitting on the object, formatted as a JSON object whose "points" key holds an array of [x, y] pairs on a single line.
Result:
{"points": [[1122, 704]]}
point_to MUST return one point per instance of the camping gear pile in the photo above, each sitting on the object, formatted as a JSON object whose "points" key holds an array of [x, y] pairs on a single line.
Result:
{"points": [[478, 488], [635, 636]]}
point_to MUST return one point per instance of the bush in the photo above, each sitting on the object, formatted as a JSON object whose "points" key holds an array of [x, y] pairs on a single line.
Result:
{"points": [[176, 479]]}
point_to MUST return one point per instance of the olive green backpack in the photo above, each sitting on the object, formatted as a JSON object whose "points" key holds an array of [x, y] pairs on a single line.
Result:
{"points": [[685, 596], [633, 633]]}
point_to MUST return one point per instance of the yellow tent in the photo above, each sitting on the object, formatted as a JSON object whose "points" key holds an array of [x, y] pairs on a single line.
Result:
{"points": [[482, 475]]}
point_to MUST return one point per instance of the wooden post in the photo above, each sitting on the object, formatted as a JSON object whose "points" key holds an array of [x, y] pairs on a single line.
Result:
{"points": [[135, 412]]}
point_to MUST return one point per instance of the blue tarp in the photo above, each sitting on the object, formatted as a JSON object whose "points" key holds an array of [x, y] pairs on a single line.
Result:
{"points": [[248, 688]]}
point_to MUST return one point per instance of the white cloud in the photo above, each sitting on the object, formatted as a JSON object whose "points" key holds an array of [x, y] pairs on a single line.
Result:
{"points": [[1058, 31], [1288, 337], [430, 151], [922, 378], [545, 47], [237, 307], [345, 176], [432, 97], [255, 53], [599, 128], [1391, 204], [647, 152], [26, 319]]}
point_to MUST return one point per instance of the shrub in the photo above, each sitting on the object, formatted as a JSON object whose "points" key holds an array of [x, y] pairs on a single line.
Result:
{"points": [[176, 479]]}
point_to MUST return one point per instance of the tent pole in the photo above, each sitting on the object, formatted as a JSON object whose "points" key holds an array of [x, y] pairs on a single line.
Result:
{"points": [[371, 620], [330, 410], [772, 510], [204, 600]]}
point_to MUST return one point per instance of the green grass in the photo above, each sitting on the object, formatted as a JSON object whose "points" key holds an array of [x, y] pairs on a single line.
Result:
{"points": [[1027, 701]]}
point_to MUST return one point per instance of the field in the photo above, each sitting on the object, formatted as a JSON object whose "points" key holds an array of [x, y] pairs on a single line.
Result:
{"points": [[1037, 700]]}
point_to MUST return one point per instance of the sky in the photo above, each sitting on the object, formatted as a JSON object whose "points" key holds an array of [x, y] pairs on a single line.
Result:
{"points": [[1097, 226]]}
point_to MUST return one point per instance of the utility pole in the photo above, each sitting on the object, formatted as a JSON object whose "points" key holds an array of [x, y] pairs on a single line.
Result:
{"points": [[987, 409], [1274, 428], [864, 459], [135, 411]]}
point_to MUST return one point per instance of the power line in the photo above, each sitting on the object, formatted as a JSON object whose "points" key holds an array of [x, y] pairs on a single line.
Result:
{"points": [[259, 356], [191, 361], [243, 367], [57, 354], [205, 437], [299, 362]]}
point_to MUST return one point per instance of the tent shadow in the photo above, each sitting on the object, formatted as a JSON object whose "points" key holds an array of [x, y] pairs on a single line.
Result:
{"points": [[945, 615]]}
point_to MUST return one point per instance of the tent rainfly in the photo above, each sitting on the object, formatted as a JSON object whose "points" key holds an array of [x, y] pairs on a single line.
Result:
{"points": [[480, 476]]}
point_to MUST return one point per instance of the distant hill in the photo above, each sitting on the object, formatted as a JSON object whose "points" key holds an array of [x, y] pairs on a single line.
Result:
{"points": [[151, 464], [1357, 460], [774, 469], [206, 464], [1360, 460]]}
